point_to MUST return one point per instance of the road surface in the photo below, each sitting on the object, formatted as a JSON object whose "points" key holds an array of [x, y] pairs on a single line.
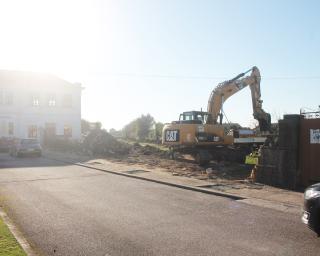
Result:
{"points": [[71, 210]]}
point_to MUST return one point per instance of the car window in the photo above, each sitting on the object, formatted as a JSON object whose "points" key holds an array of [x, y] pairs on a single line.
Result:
{"points": [[29, 142]]}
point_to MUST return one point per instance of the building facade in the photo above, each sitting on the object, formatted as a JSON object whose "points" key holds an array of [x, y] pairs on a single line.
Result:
{"points": [[34, 105]]}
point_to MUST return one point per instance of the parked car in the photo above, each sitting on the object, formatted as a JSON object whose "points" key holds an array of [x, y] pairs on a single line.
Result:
{"points": [[23, 147], [5, 144], [311, 213]]}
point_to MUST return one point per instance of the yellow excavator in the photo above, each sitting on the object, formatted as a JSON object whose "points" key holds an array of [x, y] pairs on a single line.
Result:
{"points": [[203, 134]]}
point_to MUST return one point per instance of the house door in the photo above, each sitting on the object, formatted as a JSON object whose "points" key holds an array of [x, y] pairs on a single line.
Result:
{"points": [[50, 129]]}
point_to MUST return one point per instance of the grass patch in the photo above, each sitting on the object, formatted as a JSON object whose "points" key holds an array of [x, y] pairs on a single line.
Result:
{"points": [[8, 244]]}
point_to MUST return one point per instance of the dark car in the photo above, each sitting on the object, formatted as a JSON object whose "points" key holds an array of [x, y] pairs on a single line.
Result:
{"points": [[24, 147], [311, 213], [5, 144]]}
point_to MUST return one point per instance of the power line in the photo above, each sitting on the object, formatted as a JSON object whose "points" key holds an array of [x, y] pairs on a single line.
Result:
{"points": [[136, 75], [162, 76], [293, 78]]}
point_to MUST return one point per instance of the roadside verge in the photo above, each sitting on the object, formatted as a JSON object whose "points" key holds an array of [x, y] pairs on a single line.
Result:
{"points": [[12, 242]]}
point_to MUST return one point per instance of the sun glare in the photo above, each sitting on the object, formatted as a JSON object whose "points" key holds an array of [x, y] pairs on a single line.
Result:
{"points": [[50, 36]]}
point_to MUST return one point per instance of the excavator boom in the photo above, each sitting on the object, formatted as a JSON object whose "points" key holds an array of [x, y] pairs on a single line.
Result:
{"points": [[226, 89]]}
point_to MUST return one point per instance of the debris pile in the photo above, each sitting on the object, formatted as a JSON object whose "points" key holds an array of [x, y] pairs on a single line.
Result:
{"points": [[138, 149], [100, 142]]}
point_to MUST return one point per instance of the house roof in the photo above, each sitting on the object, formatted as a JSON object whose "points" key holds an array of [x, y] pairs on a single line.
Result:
{"points": [[13, 78]]}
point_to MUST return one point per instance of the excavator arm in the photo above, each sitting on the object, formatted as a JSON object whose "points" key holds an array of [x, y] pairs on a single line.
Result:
{"points": [[226, 89], [259, 114]]}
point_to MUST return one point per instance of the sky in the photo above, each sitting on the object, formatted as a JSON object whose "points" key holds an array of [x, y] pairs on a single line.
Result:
{"points": [[164, 57]]}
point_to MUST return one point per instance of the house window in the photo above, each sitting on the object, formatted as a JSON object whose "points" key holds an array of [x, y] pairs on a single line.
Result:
{"points": [[51, 101], [8, 98], [67, 100], [10, 128], [3, 128], [67, 131], [32, 131], [35, 101]]}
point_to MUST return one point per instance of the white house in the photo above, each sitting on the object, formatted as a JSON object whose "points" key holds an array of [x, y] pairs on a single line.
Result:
{"points": [[34, 104]]}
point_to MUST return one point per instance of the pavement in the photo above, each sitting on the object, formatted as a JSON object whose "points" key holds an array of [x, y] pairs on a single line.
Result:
{"points": [[251, 193], [67, 209]]}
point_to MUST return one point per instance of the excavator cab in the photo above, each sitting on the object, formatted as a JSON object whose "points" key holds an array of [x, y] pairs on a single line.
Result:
{"points": [[193, 117]]}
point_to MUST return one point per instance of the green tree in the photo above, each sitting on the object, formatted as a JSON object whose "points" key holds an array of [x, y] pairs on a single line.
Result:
{"points": [[141, 128], [98, 125], [158, 130], [144, 126], [130, 130], [112, 131], [85, 126]]}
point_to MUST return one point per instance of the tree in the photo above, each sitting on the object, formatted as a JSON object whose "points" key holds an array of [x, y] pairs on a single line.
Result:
{"points": [[112, 131], [115, 133], [85, 126], [144, 126], [130, 130], [140, 128], [97, 125], [158, 130]]}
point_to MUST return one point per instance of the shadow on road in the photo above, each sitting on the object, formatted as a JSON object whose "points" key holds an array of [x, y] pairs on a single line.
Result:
{"points": [[7, 161]]}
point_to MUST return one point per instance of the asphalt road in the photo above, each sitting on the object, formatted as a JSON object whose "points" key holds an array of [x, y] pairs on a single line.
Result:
{"points": [[72, 210]]}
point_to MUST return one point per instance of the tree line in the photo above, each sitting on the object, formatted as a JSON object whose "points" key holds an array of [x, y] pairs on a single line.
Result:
{"points": [[143, 128]]}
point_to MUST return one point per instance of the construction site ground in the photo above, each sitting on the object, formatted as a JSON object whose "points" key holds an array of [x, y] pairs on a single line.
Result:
{"points": [[224, 178]]}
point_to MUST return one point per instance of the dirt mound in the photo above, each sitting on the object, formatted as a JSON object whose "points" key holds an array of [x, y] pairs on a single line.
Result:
{"points": [[100, 142], [146, 150]]}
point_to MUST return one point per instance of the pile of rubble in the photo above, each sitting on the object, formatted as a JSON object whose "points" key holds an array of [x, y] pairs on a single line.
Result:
{"points": [[100, 142], [138, 149]]}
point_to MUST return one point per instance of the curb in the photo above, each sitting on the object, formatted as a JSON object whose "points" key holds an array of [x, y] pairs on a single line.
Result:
{"points": [[195, 189], [17, 234]]}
